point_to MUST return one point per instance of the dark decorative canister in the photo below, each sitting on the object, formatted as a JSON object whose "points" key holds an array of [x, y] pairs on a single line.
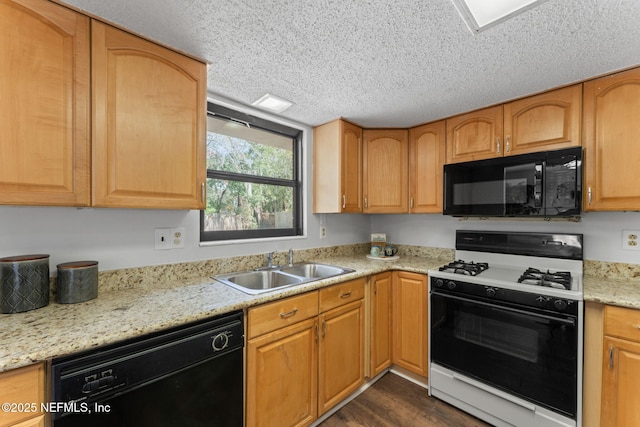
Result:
{"points": [[77, 282], [24, 283]]}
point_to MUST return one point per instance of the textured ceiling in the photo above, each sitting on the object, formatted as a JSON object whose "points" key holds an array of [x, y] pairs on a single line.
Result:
{"points": [[384, 63]]}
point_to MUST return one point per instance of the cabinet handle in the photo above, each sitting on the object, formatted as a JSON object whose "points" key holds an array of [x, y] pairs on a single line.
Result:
{"points": [[411, 203], [589, 196], [366, 203], [610, 357], [498, 145], [375, 286], [202, 193], [324, 329], [507, 144], [288, 314], [344, 201], [317, 332], [345, 295]]}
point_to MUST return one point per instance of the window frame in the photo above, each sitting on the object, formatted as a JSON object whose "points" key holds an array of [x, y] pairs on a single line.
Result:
{"points": [[296, 183]]}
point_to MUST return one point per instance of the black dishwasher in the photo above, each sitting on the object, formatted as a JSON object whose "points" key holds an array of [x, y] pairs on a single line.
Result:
{"points": [[188, 376]]}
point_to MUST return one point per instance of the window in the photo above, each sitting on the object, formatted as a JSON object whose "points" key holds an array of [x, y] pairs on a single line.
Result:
{"points": [[254, 184]]}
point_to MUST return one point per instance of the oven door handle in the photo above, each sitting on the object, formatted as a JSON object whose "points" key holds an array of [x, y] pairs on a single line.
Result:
{"points": [[570, 321]]}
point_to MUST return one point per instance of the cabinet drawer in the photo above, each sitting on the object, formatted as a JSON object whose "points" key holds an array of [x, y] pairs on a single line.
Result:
{"points": [[277, 314], [342, 293], [23, 386], [622, 322]]}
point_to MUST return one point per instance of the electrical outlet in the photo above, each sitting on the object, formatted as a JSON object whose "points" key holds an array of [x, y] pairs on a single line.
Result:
{"points": [[631, 240], [323, 231], [169, 238], [177, 238], [162, 238]]}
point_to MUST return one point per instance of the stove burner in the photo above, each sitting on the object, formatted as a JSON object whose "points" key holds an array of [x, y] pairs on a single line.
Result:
{"points": [[558, 279], [466, 268]]}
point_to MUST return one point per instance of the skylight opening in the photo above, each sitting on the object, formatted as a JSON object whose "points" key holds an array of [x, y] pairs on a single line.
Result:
{"points": [[481, 14]]}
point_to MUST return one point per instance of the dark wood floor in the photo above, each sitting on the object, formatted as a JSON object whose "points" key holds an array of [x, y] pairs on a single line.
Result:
{"points": [[396, 402]]}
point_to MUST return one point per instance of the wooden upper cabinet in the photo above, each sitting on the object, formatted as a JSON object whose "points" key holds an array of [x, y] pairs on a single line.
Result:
{"points": [[475, 136], [337, 185], [427, 147], [611, 143], [548, 121], [385, 176], [148, 123], [551, 120], [45, 105]]}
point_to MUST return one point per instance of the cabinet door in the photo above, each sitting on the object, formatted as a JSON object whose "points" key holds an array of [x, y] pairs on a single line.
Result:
{"points": [[620, 383], [612, 147], [23, 386], [337, 185], [282, 376], [386, 161], [45, 106], [474, 136], [549, 121], [427, 147], [380, 323], [410, 328], [341, 370], [351, 161], [148, 123]]}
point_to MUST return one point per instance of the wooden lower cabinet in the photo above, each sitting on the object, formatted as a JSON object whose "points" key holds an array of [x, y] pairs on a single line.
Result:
{"points": [[620, 367], [380, 326], [312, 362], [410, 297], [23, 386], [282, 376], [341, 370]]}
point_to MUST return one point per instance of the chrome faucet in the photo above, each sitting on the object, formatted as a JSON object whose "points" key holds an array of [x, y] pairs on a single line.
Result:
{"points": [[290, 257], [269, 263]]}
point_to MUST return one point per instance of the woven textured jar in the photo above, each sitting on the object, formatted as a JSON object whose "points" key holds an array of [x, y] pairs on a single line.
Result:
{"points": [[77, 282], [24, 283]]}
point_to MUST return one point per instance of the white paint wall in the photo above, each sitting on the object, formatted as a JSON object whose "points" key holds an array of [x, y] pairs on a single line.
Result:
{"points": [[602, 231], [122, 238]]}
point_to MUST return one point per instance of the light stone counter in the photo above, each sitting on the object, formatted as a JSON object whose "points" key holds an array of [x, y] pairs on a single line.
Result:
{"points": [[135, 302], [126, 312], [612, 283]]}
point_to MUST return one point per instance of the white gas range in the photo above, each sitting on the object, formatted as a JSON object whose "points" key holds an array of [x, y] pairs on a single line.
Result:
{"points": [[506, 324]]}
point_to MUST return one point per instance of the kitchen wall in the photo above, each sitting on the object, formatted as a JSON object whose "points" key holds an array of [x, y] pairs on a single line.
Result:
{"points": [[122, 238], [602, 231]]}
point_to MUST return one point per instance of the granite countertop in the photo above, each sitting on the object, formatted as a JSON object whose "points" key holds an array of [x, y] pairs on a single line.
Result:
{"points": [[62, 329], [119, 314]]}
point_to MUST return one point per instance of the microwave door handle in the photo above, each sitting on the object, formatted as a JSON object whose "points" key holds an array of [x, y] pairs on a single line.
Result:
{"points": [[538, 185]]}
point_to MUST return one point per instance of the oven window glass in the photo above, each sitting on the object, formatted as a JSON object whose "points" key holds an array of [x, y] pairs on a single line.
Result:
{"points": [[525, 353], [511, 340]]}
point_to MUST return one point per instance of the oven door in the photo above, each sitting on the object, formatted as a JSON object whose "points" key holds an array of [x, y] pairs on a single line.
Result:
{"points": [[526, 352]]}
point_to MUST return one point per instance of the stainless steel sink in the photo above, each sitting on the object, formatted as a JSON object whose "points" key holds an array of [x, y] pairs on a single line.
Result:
{"points": [[313, 270], [259, 281], [255, 282]]}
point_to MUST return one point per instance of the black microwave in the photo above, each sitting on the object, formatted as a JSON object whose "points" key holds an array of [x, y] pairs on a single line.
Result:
{"points": [[544, 184]]}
